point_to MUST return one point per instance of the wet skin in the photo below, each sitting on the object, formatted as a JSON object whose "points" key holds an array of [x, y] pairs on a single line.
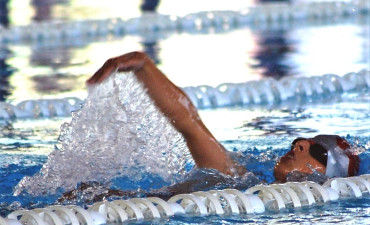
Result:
{"points": [[206, 151], [298, 159], [177, 107]]}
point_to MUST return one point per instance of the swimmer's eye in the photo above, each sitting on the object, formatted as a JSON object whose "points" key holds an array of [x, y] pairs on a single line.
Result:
{"points": [[301, 148]]}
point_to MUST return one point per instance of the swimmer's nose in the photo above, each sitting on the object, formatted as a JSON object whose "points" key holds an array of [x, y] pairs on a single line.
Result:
{"points": [[287, 157], [290, 155]]}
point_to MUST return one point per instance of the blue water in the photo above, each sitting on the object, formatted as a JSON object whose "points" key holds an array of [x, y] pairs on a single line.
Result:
{"points": [[259, 134], [354, 211]]}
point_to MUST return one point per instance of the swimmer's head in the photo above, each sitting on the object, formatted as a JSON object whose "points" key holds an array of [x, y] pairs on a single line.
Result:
{"points": [[327, 154]]}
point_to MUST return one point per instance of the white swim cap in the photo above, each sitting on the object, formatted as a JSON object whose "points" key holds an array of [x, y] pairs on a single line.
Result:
{"points": [[341, 162]]}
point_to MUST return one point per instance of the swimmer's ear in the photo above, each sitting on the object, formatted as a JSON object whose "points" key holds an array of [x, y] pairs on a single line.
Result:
{"points": [[319, 153]]}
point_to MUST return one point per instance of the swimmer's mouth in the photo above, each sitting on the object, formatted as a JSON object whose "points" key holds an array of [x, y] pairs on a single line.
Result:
{"points": [[288, 157]]}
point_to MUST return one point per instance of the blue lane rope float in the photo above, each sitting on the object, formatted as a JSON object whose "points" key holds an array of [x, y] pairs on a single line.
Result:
{"points": [[265, 91], [260, 14], [257, 199]]}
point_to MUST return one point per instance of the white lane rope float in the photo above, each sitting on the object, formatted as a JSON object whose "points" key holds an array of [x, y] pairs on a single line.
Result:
{"points": [[257, 199], [151, 22], [266, 91], [40, 108]]}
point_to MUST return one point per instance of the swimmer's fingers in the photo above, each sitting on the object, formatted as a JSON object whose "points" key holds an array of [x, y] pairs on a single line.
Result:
{"points": [[132, 61], [131, 65], [129, 62]]}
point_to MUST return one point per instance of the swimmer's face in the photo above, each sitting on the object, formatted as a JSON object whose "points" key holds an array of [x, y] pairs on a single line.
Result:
{"points": [[297, 160]]}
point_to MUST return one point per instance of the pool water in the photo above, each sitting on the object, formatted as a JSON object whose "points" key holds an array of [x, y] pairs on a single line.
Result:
{"points": [[343, 212], [259, 133], [215, 56]]}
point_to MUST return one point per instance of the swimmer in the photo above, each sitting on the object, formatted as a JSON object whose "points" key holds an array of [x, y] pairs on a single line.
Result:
{"points": [[317, 158], [326, 154]]}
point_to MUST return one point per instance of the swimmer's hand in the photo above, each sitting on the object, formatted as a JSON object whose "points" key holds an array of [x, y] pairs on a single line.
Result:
{"points": [[132, 61], [207, 152]]}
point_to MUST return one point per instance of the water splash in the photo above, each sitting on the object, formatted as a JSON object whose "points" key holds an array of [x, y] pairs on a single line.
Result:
{"points": [[117, 132], [315, 176], [199, 179]]}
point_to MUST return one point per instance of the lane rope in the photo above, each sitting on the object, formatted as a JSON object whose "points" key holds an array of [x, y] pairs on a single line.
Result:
{"points": [[257, 199], [280, 13], [266, 91]]}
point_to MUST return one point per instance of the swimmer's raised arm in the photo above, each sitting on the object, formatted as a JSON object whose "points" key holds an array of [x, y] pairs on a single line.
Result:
{"points": [[177, 107]]}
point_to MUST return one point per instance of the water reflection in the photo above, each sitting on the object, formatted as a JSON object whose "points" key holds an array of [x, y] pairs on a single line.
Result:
{"points": [[56, 83], [149, 5], [264, 1], [272, 51], [234, 55], [43, 8], [151, 48], [39, 10], [150, 45], [4, 13], [212, 56], [56, 59], [279, 125], [53, 57], [5, 72]]}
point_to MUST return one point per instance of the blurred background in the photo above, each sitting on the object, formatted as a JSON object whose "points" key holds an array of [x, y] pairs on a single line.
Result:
{"points": [[212, 56]]}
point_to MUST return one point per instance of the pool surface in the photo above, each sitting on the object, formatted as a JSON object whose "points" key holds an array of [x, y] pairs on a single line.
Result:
{"points": [[258, 133]]}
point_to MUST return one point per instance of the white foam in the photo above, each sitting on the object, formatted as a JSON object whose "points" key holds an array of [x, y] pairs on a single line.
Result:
{"points": [[118, 132]]}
